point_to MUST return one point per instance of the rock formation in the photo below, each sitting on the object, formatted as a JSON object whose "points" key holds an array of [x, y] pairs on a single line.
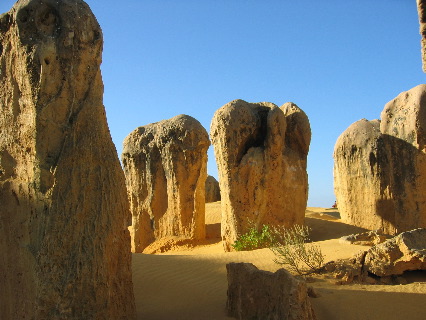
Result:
{"points": [[165, 165], [212, 190], [421, 9], [369, 238], [405, 252], [64, 243], [261, 153], [258, 294], [380, 167]]}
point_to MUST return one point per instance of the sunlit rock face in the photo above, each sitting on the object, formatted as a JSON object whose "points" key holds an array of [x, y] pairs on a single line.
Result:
{"points": [[64, 243], [421, 9], [165, 165], [380, 167], [261, 151]]}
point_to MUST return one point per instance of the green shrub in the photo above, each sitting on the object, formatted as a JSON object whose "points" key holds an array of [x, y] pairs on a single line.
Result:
{"points": [[291, 250], [255, 239]]}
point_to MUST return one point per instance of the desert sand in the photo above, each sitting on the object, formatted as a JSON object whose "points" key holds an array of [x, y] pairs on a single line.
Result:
{"points": [[191, 283]]}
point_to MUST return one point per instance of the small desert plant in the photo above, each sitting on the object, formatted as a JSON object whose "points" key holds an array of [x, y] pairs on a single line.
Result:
{"points": [[291, 250], [255, 239]]}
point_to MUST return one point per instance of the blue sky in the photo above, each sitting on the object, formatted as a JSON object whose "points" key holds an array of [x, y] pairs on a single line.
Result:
{"points": [[340, 61]]}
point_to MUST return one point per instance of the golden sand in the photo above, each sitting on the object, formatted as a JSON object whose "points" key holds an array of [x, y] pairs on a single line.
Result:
{"points": [[191, 283]]}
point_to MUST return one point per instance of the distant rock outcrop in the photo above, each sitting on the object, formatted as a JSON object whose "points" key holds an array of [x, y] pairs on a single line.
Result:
{"points": [[421, 9], [165, 165], [64, 243], [261, 152], [212, 190], [258, 294], [380, 167]]}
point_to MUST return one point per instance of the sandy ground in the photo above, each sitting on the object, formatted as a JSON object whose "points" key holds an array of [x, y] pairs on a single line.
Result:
{"points": [[191, 284]]}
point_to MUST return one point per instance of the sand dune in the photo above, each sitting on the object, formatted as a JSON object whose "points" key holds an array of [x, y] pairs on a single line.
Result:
{"points": [[191, 284]]}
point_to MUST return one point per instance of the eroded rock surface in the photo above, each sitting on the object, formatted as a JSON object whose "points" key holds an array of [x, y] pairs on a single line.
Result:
{"points": [[64, 243], [212, 190], [380, 167], [405, 252], [369, 238], [165, 165], [261, 152], [421, 9], [258, 294]]}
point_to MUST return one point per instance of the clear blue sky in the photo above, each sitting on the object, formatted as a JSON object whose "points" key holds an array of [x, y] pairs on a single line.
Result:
{"points": [[339, 61]]}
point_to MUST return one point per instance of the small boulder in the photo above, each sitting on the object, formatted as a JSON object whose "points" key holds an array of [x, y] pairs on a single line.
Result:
{"points": [[404, 252], [369, 238], [258, 294]]}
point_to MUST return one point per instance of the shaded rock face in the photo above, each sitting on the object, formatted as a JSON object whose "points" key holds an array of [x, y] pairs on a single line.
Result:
{"points": [[261, 152], [258, 294], [64, 243], [380, 167], [421, 9], [212, 190], [165, 165]]}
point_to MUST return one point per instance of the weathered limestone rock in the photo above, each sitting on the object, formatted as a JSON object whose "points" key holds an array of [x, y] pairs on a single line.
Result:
{"points": [[64, 243], [405, 252], [380, 167], [165, 165], [369, 238], [421, 9], [261, 152], [212, 190], [258, 294]]}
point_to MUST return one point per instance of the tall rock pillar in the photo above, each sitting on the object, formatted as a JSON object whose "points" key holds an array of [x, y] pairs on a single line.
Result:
{"points": [[64, 243], [261, 151], [165, 164]]}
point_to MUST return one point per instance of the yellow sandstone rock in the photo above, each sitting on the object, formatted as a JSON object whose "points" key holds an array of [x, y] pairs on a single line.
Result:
{"points": [[64, 243], [261, 152]]}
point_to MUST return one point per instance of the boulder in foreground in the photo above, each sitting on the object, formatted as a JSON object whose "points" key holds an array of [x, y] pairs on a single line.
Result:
{"points": [[258, 294]]}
